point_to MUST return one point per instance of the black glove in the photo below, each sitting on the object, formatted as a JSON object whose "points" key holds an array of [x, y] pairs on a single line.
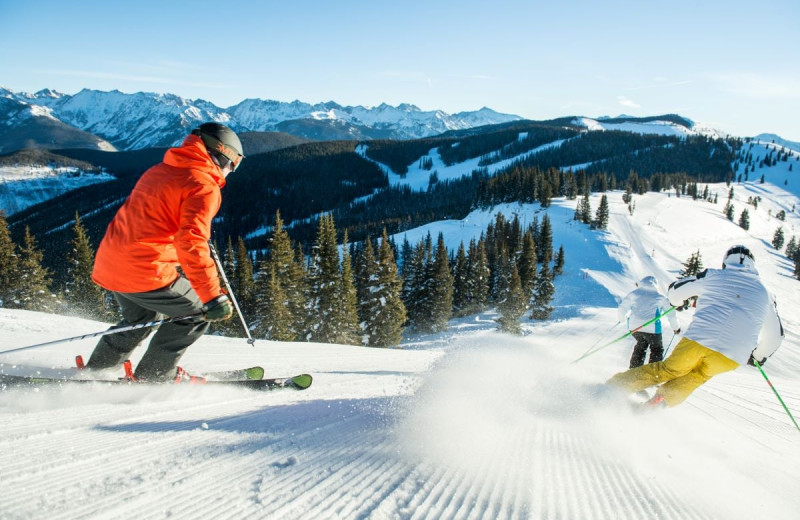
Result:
{"points": [[751, 361], [218, 309], [677, 331], [683, 306]]}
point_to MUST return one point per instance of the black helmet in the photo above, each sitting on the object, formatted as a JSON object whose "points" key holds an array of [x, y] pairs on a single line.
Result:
{"points": [[221, 142], [738, 255]]}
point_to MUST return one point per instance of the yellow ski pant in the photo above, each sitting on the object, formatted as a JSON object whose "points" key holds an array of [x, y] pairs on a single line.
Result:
{"points": [[689, 366]]}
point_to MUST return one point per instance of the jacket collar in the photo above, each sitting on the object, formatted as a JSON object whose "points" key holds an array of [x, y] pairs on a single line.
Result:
{"points": [[192, 155]]}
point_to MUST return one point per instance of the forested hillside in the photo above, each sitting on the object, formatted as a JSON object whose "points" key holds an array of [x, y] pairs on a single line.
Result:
{"points": [[360, 186]]}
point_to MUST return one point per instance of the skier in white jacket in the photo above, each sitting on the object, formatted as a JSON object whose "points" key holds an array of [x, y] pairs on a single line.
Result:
{"points": [[640, 306], [736, 321]]}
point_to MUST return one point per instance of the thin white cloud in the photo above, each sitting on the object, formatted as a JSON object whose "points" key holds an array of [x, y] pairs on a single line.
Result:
{"points": [[481, 77], [627, 103]]}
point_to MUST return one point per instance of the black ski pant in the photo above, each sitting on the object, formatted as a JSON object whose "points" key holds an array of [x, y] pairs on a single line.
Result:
{"points": [[160, 361], [644, 341]]}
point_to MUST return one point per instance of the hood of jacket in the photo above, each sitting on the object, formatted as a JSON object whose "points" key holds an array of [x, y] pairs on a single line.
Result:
{"points": [[193, 154]]}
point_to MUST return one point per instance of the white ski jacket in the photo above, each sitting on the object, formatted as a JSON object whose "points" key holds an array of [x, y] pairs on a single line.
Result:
{"points": [[735, 313], [642, 304]]}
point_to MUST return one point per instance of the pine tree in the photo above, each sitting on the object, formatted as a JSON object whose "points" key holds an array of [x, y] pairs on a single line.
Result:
{"points": [[290, 275], [386, 313], [692, 266], [407, 251], [558, 268], [512, 303], [544, 242], [239, 270], [34, 291], [628, 195], [744, 219], [9, 267], [440, 289], [233, 326], [791, 247], [527, 263], [797, 264], [478, 276], [276, 321], [415, 293], [778, 238], [229, 263], [461, 294], [348, 333], [602, 215], [366, 280], [729, 211], [243, 278], [324, 285], [82, 294], [585, 210], [543, 295]]}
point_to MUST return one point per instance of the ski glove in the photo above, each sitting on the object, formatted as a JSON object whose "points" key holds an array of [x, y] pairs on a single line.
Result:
{"points": [[752, 363], [218, 309]]}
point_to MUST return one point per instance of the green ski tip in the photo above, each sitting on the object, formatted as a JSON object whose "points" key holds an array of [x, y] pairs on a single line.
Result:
{"points": [[254, 373], [302, 381]]}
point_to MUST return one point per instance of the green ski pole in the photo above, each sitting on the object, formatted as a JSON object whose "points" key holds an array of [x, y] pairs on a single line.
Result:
{"points": [[758, 365], [645, 324]]}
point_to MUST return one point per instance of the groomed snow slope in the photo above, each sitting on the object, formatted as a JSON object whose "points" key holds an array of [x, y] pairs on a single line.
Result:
{"points": [[466, 424]]}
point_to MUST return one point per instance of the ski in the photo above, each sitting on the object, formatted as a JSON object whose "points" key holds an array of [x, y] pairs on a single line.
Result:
{"points": [[255, 372], [238, 374], [298, 382]]}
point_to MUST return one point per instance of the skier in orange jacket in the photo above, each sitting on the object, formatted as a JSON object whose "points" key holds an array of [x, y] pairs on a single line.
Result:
{"points": [[166, 223]]}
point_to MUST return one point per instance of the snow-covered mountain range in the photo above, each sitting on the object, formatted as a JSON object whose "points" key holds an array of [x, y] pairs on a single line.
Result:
{"points": [[142, 120]]}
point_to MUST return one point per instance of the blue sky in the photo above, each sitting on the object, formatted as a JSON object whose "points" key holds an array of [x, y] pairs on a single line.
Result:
{"points": [[730, 64]]}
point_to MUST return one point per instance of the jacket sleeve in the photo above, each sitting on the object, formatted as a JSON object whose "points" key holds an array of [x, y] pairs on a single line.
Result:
{"points": [[686, 288], [624, 309], [672, 316], [771, 335], [191, 241]]}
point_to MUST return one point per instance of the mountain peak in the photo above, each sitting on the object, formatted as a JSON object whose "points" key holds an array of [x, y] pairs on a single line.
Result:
{"points": [[147, 119]]}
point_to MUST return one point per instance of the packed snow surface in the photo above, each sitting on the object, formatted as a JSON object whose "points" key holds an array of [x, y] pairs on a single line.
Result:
{"points": [[465, 424]]}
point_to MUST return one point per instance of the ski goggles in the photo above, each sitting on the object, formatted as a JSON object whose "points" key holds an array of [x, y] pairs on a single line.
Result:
{"points": [[223, 161], [740, 250]]}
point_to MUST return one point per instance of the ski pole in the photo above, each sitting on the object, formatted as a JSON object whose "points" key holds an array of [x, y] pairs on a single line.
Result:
{"points": [[215, 256], [645, 324], [604, 333], [106, 332], [758, 365], [666, 350]]}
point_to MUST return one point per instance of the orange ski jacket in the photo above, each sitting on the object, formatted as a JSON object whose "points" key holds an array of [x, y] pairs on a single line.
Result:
{"points": [[165, 222]]}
